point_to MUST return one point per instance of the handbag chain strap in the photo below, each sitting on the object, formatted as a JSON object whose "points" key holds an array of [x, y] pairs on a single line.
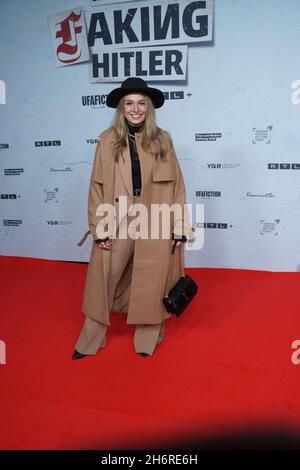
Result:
{"points": [[181, 248]]}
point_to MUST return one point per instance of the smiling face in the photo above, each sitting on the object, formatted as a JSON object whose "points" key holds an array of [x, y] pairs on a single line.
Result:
{"points": [[135, 107]]}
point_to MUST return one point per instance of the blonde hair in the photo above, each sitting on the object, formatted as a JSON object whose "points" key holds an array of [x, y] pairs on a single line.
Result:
{"points": [[152, 136]]}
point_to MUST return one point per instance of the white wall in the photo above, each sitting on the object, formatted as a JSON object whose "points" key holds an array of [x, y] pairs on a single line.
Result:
{"points": [[240, 81]]}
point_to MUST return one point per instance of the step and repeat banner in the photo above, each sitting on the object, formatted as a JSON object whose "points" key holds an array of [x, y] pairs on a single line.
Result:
{"points": [[230, 72]]}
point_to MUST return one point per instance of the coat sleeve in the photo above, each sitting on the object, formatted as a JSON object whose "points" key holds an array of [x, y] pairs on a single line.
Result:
{"points": [[95, 197], [182, 226]]}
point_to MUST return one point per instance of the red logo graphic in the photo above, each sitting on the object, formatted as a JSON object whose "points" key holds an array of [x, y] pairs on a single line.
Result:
{"points": [[68, 33]]}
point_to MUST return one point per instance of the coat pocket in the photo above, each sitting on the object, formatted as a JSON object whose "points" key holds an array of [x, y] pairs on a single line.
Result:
{"points": [[163, 171]]}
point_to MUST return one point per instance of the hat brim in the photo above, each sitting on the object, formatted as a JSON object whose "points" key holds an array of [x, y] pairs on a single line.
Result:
{"points": [[156, 96]]}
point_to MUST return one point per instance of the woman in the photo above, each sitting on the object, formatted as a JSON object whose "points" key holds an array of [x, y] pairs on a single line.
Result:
{"points": [[134, 162]]}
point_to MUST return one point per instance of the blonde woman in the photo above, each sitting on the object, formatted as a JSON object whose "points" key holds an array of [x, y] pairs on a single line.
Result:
{"points": [[134, 162]]}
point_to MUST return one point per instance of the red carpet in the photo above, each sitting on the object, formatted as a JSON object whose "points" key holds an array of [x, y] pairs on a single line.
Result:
{"points": [[224, 366]]}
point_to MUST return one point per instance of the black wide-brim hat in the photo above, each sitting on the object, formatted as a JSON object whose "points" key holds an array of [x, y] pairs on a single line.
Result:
{"points": [[135, 85]]}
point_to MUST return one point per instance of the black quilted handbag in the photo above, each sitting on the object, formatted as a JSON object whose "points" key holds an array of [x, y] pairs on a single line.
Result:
{"points": [[182, 292]]}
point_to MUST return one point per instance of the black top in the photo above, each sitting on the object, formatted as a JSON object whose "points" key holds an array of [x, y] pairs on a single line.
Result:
{"points": [[135, 162]]}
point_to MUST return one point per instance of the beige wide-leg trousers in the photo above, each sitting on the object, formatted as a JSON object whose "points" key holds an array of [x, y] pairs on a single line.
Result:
{"points": [[93, 334]]}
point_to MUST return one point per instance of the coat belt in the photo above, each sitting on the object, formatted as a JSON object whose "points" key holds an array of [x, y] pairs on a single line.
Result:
{"points": [[84, 238]]}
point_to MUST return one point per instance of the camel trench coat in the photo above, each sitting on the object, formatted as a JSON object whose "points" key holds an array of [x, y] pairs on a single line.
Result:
{"points": [[142, 285]]}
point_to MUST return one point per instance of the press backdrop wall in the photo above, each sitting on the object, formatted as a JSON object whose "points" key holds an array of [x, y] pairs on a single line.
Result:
{"points": [[235, 123]]}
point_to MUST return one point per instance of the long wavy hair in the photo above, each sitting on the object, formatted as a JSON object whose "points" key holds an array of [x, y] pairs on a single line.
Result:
{"points": [[152, 136]]}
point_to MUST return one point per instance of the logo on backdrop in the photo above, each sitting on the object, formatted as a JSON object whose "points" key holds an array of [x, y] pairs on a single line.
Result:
{"points": [[47, 143], [208, 194], [96, 101], [175, 95], [2, 92], [212, 225], [283, 166], [13, 171], [2, 352], [209, 136], [51, 195], [222, 166], [266, 195], [116, 33], [12, 222], [269, 227], [261, 135], [66, 169], [69, 37], [9, 196], [4, 146], [59, 222]]}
